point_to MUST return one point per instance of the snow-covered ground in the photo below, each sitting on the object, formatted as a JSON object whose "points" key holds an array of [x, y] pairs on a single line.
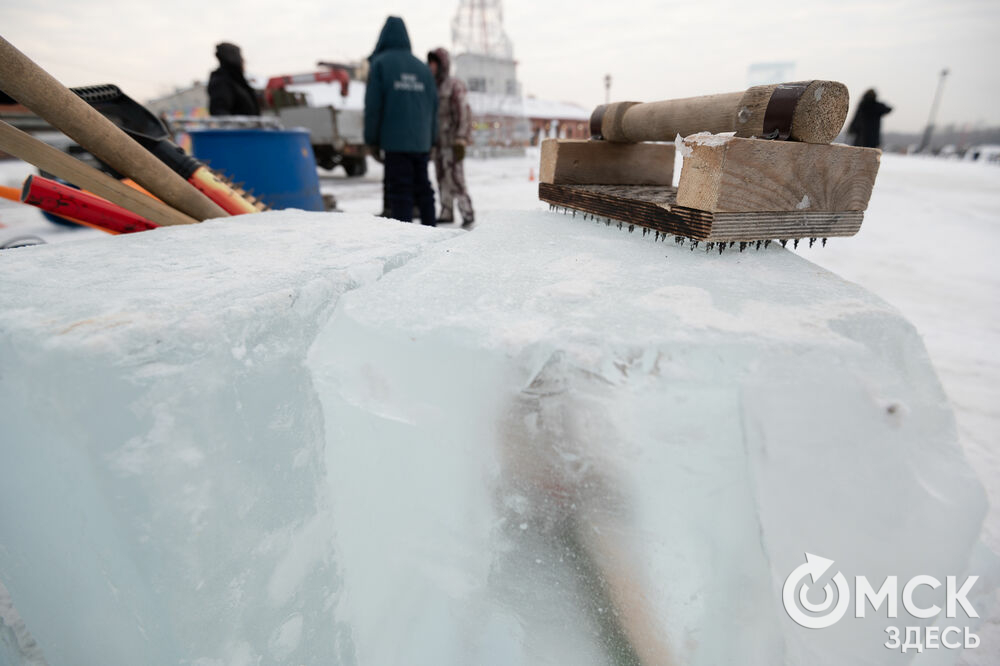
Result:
{"points": [[925, 247]]}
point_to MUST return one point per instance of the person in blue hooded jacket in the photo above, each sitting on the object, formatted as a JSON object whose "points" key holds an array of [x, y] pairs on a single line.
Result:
{"points": [[401, 109]]}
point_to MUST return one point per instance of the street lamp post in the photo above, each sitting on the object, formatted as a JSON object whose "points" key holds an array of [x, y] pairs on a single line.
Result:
{"points": [[926, 141]]}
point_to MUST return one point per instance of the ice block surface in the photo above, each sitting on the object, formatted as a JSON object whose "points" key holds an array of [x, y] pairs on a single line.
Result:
{"points": [[577, 445], [162, 491], [330, 439]]}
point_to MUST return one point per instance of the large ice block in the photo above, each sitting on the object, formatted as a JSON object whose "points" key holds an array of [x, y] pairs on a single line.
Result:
{"points": [[320, 439], [552, 442], [162, 486]]}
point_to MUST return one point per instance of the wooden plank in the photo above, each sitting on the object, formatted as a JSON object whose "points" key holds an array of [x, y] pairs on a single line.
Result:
{"points": [[47, 158], [576, 162], [656, 208], [729, 174]]}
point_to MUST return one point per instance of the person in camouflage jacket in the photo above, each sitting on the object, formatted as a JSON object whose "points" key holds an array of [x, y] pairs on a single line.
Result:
{"points": [[454, 133]]}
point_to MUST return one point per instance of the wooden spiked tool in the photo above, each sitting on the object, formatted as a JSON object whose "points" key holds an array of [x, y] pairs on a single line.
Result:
{"points": [[733, 191]]}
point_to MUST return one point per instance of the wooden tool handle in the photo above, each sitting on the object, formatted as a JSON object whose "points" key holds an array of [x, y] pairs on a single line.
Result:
{"points": [[29, 84], [808, 111], [47, 158], [619, 573]]}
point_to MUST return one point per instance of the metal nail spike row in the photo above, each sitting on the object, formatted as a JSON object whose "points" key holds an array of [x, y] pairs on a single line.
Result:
{"points": [[692, 242]]}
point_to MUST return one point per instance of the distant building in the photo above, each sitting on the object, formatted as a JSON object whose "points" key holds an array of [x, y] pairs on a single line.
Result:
{"points": [[556, 120], [489, 75], [484, 60], [189, 101]]}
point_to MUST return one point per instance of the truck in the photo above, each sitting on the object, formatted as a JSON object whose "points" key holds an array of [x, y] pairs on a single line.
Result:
{"points": [[336, 135]]}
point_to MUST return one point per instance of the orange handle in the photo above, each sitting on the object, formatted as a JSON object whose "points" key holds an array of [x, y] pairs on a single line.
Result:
{"points": [[220, 192], [12, 193]]}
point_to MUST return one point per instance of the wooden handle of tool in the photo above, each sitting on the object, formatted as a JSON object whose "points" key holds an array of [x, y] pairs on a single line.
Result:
{"points": [[619, 570], [32, 86], [808, 111], [47, 158]]}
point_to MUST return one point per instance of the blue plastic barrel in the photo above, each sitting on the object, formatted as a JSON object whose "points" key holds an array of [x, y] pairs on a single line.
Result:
{"points": [[277, 165]]}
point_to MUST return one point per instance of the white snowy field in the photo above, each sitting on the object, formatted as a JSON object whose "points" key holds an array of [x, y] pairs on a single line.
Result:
{"points": [[924, 247]]}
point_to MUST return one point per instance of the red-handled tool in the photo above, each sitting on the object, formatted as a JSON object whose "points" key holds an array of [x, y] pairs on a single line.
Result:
{"points": [[83, 207]]}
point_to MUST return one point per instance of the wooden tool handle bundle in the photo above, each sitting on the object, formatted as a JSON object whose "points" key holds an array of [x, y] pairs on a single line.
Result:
{"points": [[45, 157], [36, 89], [807, 111]]}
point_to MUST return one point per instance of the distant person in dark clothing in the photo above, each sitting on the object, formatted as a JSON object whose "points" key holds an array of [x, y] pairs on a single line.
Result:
{"points": [[401, 107], [229, 94], [867, 124]]}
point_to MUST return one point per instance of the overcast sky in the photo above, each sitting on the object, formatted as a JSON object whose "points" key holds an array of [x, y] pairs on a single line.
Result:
{"points": [[653, 50]]}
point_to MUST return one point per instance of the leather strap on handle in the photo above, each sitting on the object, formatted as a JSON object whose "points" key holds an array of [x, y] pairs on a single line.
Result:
{"points": [[596, 120], [780, 109]]}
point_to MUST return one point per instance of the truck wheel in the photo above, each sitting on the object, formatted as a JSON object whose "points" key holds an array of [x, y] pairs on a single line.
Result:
{"points": [[325, 157], [356, 166]]}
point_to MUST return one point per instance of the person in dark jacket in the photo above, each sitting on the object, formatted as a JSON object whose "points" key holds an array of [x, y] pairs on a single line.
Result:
{"points": [[401, 107], [229, 94], [867, 124]]}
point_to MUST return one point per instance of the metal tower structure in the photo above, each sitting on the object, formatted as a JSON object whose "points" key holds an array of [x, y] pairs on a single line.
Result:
{"points": [[925, 142], [478, 28]]}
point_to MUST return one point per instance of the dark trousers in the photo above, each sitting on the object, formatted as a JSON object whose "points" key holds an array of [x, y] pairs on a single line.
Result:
{"points": [[408, 184]]}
